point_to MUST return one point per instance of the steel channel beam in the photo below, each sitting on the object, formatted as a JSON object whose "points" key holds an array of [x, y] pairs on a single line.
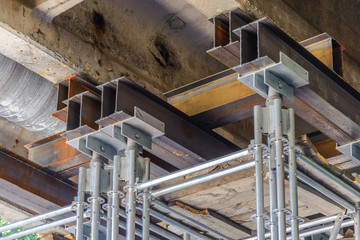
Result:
{"points": [[337, 116], [30, 177], [314, 103], [185, 139], [182, 133]]}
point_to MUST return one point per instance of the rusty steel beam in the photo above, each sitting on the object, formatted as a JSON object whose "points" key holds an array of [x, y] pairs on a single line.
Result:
{"points": [[226, 47], [186, 142], [328, 103], [31, 186]]}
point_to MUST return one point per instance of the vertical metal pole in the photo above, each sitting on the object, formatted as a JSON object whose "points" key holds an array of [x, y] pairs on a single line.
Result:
{"points": [[146, 203], [279, 169], [293, 178], [80, 204], [272, 192], [95, 196], [337, 225], [259, 173], [131, 153], [108, 217], [357, 221], [115, 199], [186, 236]]}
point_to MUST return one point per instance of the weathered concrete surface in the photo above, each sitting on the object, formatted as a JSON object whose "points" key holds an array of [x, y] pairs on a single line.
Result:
{"points": [[159, 44]]}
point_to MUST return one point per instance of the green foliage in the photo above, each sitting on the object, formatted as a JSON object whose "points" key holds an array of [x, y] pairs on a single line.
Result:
{"points": [[33, 236]]}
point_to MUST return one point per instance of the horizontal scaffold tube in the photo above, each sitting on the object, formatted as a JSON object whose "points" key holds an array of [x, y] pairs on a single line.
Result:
{"points": [[204, 178], [320, 188], [163, 206], [177, 224], [331, 177], [36, 218], [39, 228], [193, 169], [315, 222]]}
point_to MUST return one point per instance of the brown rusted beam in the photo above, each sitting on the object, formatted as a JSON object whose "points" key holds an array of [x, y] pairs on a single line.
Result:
{"points": [[33, 185]]}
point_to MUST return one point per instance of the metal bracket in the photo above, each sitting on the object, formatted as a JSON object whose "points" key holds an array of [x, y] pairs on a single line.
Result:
{"points": [[284, 77], [105, 145], [267, 127], [351, 150], [140, 166], [105, 183]]}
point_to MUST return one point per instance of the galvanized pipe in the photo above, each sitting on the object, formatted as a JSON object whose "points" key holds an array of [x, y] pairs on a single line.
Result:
{"points": [[328, 175], [123, 226], [115, 199], [357, 221], [80, 204], [259, 177], [280, 174], [193, 169], [320, 188], [146, 203], [272, 193], [36, 218], [95, 196], [293, 178], [204, 178], [186, 236], [309, 224], [163, 206], [335, 231], [108, 217], [131, 153], [323, 229], [153, 227], [40, 228], [176, 224]]}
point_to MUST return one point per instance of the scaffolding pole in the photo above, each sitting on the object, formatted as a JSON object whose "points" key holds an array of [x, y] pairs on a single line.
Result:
{"points": [[292, 177], [115, 199], [131, 153], [80, 204], [259, 178], [95, 196], [146, 203], [357, 221]]}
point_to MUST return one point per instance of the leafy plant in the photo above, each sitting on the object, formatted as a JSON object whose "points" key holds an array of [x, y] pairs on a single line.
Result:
{"points": [[33, 236]]}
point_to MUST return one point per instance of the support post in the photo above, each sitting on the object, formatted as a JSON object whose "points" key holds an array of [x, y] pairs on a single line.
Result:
{"points": [[186, 236], [260, 223], [95, 196], [115, 199], [279, 169], [131, 153], [293, 178], [108, 217], [80, 204], [272, 192], [146, 203], [337, 225], [357, 221]]}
